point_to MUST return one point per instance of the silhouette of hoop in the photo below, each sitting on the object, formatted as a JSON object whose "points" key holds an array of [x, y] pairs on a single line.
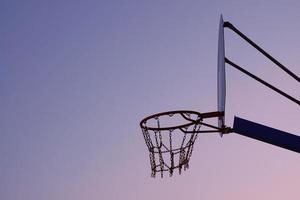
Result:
{"points": [[170, 138]]}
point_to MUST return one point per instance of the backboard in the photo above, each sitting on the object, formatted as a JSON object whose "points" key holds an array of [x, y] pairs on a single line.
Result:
{"points": [[221, 75]]}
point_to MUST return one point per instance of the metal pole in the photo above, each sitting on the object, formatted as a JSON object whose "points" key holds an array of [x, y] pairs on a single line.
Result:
{"points": [[266, 134]]}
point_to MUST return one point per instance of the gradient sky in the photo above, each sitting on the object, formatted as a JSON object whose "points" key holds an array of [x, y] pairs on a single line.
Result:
{"points": [[76, 77]]}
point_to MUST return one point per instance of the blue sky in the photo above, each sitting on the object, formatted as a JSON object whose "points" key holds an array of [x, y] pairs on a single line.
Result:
{"points": [[76, 77]]}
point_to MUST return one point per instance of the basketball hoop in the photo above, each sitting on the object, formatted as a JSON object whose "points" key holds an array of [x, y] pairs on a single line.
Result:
{"points": [[170, 138]]}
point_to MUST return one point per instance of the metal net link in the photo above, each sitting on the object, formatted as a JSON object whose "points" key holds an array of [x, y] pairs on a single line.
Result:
{"points": [[164, 154]]}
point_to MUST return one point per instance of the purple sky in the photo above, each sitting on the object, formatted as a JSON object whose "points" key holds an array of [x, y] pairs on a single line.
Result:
{"points": [[76, 77]]}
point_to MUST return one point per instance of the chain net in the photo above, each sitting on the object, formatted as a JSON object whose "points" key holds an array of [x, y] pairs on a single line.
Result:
{"points": [[170, 148]]}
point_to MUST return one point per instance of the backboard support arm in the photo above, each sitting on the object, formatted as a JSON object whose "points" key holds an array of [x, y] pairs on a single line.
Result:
{"points": [[262, 81], [234, 29]]}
